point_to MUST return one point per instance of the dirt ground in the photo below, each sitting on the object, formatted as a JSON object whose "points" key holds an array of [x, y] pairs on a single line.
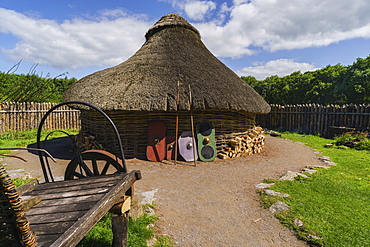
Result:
{"points": [[214, 203]]}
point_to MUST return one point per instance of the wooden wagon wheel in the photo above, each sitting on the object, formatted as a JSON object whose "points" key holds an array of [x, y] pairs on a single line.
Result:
{"points": [[94, 163]]}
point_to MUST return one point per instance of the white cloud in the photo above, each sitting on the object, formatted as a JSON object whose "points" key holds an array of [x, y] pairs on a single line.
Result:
{"points": [[194, 9], [239, 28], [280, 67], [275, 25], [105, 41]]}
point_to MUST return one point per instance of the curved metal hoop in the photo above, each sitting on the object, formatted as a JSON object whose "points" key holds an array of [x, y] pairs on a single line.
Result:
{"points": [[43, 166]]}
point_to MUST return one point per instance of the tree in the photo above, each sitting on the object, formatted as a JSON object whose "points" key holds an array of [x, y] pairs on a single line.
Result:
{"points": [[356, 82]]}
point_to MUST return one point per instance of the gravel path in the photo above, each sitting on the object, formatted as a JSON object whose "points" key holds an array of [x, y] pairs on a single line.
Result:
{"points": [[215, 203]]}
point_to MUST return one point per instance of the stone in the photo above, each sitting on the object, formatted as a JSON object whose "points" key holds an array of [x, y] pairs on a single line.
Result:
{"points": [[318, 166], [313, 236], [329, 145], [329, 163], [264, 185], [151, 242], [309, 171], [324, 158], [298, 222], [289, 175], [274, 134], [148, 196], [275, 193], [149, 211], [278, 207]]}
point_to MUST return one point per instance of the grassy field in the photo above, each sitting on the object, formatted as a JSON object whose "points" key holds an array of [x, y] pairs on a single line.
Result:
{"points": [[334, 204]]}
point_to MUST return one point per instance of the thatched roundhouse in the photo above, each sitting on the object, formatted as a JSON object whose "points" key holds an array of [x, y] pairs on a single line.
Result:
{"points": [[145, 88]]}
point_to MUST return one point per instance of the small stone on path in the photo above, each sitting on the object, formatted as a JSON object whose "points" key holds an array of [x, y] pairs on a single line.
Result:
{"points": [[289, 175], [298, 222], [275, 193], [329, 163], [318, 166], [313, 236], [149, 211], [278, 207], [309, 171], [324, 158], [264, 185]]}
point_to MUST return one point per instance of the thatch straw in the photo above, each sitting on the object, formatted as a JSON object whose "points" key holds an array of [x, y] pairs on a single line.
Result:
{"points": [[148, 80]]}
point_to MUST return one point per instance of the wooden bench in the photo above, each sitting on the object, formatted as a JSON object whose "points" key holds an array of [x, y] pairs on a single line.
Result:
{"points": [[69, 209]]}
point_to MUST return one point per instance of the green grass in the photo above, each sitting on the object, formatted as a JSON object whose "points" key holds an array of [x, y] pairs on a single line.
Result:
{"points": [[138, 233], [18, 181], [334, 203], [23, 138]]}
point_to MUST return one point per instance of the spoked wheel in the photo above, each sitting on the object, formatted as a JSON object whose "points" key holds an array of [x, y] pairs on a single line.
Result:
{"points": [[93, 163]]}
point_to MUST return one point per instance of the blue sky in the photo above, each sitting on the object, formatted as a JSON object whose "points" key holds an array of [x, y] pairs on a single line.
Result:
{"points": [[252, 37]]}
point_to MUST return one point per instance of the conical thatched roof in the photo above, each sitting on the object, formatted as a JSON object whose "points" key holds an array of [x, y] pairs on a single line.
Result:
{"points": [[148, 80]]}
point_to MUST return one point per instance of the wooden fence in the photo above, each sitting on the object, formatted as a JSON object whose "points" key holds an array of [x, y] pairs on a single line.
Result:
{"points": [[15, 116], [317, 119]]}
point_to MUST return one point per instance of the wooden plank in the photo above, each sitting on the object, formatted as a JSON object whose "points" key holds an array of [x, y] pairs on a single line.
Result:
{"points": [[59, 193], [56, 217], [76, 232], [69, 200], [46, 240], [60, 209], [80, 182], [83, 186], [51, 228], [29, 186]]}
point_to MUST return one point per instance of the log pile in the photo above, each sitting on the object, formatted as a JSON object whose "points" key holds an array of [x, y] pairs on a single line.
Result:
{"points": [[242, 144], [85, 141]]}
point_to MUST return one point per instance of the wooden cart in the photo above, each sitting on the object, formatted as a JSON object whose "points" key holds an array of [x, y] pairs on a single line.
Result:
{"points": [[61, 213]]}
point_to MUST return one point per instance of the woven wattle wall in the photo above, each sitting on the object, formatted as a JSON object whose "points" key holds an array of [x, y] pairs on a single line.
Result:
{"points": [[133, 126]]}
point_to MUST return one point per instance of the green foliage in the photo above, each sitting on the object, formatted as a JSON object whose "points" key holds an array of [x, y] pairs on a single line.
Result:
{"points": [[101, 234], [336, 84], [163, 242], [19, 181], [138, 233], [356, 140], [32, 88], [363, 145], [332, 203]]}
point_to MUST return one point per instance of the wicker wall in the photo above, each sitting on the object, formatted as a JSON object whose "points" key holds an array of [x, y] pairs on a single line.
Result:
{"points": [[133, 125]]}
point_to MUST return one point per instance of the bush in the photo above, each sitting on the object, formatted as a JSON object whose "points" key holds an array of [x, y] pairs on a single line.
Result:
{"points": [[356, 140], [363, 145]]}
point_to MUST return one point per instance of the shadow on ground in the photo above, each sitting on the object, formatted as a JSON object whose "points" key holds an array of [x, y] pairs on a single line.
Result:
{"points": [[59, 148]]}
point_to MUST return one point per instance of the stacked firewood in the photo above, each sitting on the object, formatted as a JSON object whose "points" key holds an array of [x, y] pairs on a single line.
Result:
{"points": [[243, 144], [85, 141]]}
